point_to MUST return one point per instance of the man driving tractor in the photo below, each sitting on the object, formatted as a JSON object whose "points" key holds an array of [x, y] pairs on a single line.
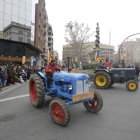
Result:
{"points": [[50, 70]]}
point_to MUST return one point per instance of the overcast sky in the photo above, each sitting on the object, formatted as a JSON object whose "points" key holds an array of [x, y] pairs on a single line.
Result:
{"points": [[121, 17]]}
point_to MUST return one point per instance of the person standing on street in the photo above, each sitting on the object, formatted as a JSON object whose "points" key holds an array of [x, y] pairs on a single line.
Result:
{"points": [[50, 70], [14, 75], [107, 63], [137, 72], [1, 77], [5, 79]]}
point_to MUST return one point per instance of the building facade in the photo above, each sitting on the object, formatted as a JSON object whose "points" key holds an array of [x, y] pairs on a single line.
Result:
{"points": [[18, 32], [126, 51], [19, 11], [86, 52], [41, 26]]}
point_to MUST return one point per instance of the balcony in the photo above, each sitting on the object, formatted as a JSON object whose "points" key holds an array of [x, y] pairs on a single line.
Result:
{"points": [[45, 25], [45, 33]]}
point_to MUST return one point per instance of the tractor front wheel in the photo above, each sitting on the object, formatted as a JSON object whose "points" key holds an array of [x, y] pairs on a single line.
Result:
{"points": [[132, 85], [59, 112], [36, 90], [96, 105], [102, 80]]}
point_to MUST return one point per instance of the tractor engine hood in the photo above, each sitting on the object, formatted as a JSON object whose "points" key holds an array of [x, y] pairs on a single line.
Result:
{"points": [[67, 77]]}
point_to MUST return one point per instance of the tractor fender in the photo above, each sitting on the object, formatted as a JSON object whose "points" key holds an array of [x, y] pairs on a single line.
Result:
{"points": [[41, 75], [95, 71], [44, 79]]}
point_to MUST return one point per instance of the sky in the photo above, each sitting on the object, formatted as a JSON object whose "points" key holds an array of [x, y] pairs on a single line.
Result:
{"points": [[120, 17]]}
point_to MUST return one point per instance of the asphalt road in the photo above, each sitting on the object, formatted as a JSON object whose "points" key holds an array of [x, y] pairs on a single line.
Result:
{"points": [[119, 118]]}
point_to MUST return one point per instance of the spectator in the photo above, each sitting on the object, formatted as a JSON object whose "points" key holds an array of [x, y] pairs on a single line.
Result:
{"points": [[14, 75], [5, 79], [107, 63], [137, 72], [1, 77], [9, 76]]}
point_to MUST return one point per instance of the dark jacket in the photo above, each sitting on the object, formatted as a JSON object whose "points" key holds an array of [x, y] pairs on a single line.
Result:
{"points": [[100, 66], [14, 74], [1, 76], [137, 70]]}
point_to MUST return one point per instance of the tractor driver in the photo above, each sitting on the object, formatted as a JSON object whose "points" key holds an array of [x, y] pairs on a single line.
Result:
{"points": [[50, 70], [101, 66]]}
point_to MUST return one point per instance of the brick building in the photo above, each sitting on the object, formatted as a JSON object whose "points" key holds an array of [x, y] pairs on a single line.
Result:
{"points": [[43, 38], [126, 51]]}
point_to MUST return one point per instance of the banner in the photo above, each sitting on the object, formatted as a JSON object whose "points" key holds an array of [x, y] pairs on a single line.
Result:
{"points": [[49, 57], [23, 59]]}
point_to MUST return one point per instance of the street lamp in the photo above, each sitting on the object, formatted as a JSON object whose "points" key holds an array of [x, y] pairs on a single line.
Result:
{"points": [[68, 63]]}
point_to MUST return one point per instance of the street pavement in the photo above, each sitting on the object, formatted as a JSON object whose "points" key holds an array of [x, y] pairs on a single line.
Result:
{"points": [[119, 118]]}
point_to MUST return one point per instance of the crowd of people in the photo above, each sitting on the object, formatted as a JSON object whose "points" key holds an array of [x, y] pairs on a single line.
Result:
{"points": [[15, 74]]}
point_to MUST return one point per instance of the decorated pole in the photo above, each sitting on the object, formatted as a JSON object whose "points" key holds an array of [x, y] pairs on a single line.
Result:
{"points": [[97, 41]]}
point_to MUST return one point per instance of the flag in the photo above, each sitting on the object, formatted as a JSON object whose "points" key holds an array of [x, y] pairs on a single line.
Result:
{"points": [[97, 57], [49, 57], [23, 59]]}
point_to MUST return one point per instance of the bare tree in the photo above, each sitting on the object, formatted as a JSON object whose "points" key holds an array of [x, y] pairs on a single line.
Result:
{"points": [[77, 35]]}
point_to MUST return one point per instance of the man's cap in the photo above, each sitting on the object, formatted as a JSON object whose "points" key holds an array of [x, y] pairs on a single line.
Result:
{"points": [[100, 60], [52, 59], [107, 58]]}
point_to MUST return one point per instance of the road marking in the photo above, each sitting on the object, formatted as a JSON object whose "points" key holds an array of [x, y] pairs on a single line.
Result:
{"points": [[11, 88], [16, 97]]}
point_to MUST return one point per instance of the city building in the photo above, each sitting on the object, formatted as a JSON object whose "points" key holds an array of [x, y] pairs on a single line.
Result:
{"points": [[41, 27], [88, 52], [18, 32], [126, 51], [1, 34], [43, 36], [11, 53], [19, 11], [116, 58], [50, 40]]}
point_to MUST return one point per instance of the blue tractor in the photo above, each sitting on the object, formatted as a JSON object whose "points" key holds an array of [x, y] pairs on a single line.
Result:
{"points": [[69, 88]]}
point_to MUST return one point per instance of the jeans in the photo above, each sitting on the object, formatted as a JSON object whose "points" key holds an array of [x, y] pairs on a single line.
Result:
{"points": [[48, 80], [5, 81]]}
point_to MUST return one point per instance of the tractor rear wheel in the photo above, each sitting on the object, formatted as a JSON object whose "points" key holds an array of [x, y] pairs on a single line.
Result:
{"points": [[59, 112], [97, 104], [102, 80], [36, 90], [132, 85]]}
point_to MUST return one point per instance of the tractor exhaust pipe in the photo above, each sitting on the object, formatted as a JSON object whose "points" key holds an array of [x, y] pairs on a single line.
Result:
{"points": [[68, 64]]}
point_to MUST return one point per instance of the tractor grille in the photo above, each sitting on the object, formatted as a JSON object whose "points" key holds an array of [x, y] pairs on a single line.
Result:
{"points": [[79, 85], [86, 87]]}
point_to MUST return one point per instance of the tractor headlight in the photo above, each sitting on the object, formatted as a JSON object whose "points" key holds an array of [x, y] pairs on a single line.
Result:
{"points": [[70, 87]]}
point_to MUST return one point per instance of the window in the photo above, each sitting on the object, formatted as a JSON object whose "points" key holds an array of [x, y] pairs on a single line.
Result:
{"points": [[20, 32], [28, 34], [20, 39], [28, 40]]}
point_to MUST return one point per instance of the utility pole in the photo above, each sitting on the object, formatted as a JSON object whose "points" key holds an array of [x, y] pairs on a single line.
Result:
{"points": [[109, 44]]}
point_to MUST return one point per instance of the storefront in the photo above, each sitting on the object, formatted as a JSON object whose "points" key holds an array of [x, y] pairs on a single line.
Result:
{"points": [[11, 53], [13, 61]]}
